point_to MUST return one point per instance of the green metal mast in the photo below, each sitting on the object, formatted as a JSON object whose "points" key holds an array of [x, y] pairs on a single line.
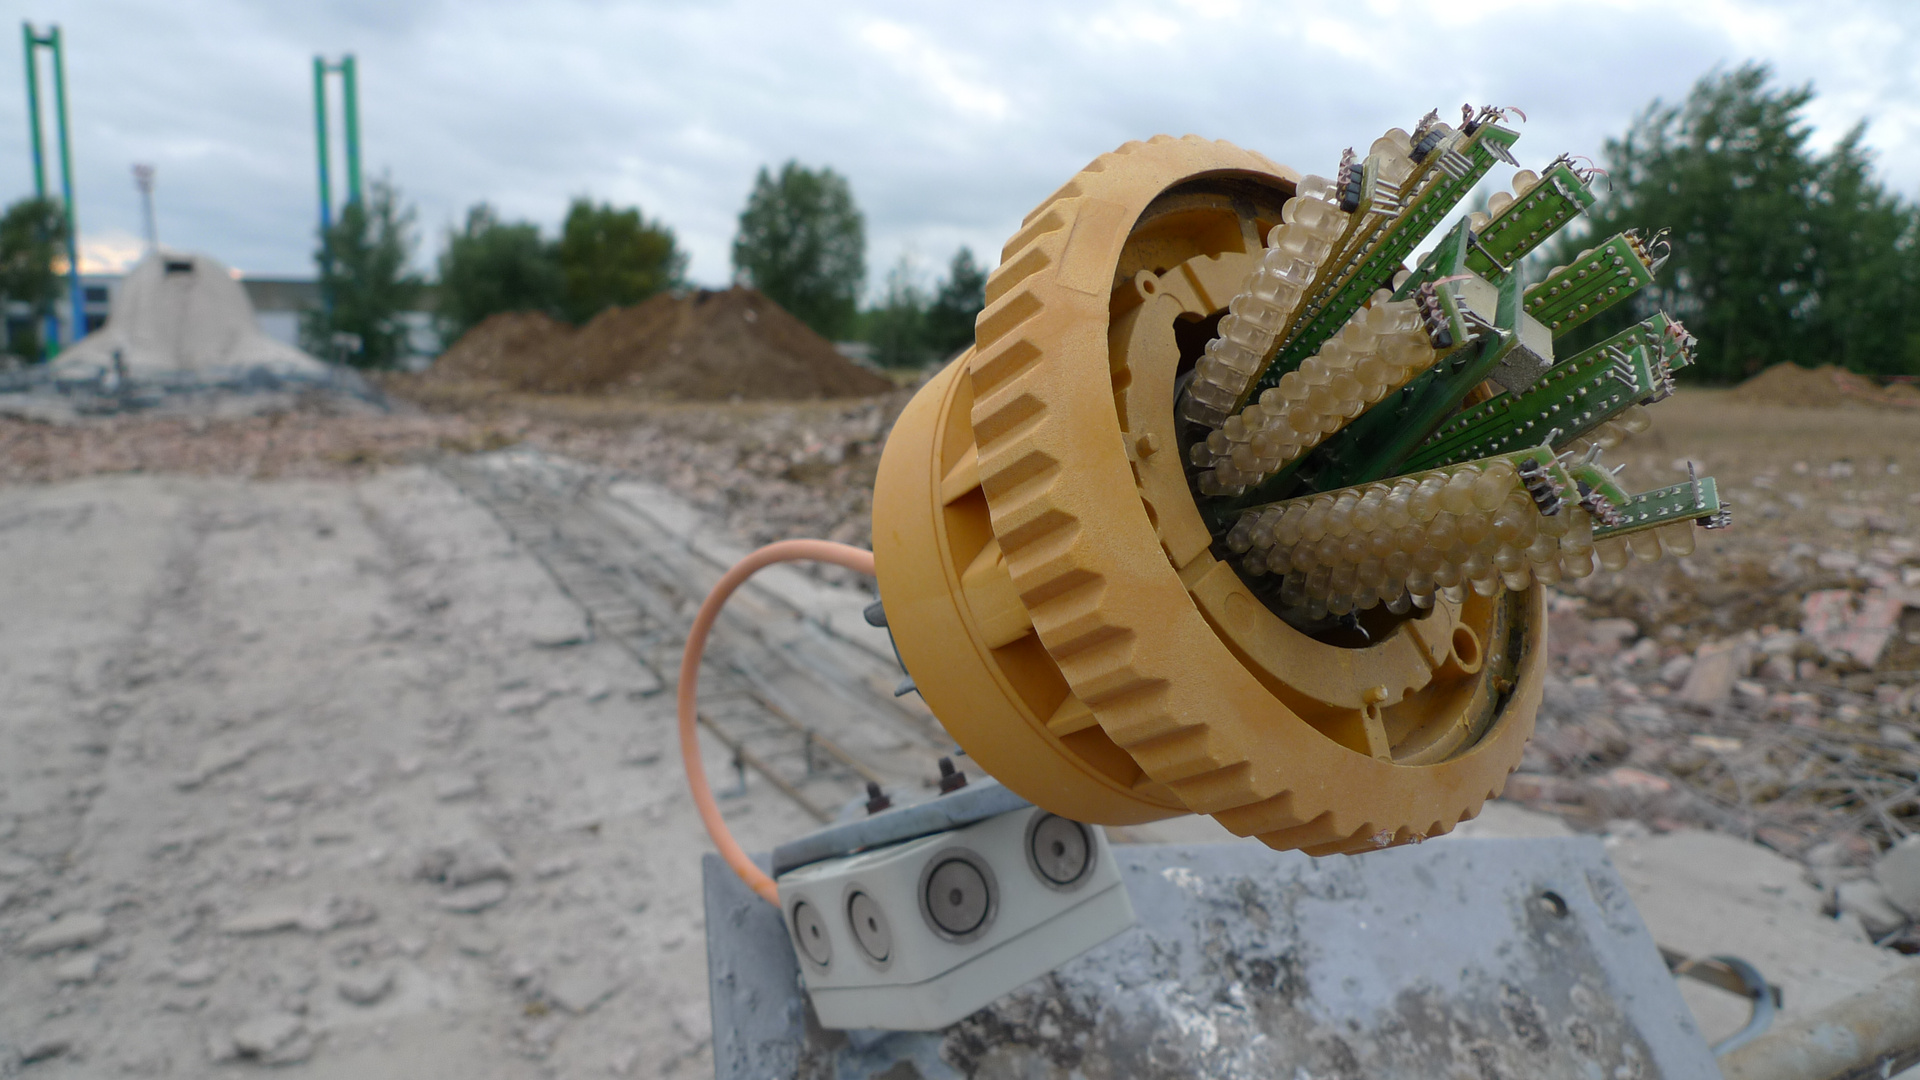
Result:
{"points": [[350, 105], [51, 42], [350, 108], [320, 140]]}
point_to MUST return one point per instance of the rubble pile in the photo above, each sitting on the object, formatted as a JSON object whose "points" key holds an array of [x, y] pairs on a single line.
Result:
{"points": [[1801, 738]]}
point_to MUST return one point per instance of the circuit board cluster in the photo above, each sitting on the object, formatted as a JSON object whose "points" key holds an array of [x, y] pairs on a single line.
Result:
{"points": [[1366, 433]]}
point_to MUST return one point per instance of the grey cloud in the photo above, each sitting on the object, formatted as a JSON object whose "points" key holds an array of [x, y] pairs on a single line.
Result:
{"points": [[950, 122]]}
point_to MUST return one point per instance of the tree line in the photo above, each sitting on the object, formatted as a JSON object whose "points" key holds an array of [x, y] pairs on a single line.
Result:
{"points": [[801, 240], [1779, 251]]}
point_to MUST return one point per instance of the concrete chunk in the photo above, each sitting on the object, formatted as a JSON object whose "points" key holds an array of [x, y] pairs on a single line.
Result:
{"points": [[1898, 872]]}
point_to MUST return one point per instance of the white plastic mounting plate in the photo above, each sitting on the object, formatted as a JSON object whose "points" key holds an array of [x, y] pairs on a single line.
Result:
{"points": [[914, 936]]}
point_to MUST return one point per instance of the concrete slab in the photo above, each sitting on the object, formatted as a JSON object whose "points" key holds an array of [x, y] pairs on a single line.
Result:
{"points": [[1481, 957]]}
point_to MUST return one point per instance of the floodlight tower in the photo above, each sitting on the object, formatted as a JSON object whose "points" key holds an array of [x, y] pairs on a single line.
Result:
{"points": [[50, 41], [350, 106], [143, 180]]}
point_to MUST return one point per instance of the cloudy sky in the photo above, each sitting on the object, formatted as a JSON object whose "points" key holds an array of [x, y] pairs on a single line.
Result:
{"points": [[950, 120]]}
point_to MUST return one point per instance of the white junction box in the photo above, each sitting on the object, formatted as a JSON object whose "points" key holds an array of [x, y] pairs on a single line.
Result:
{"points": [[915, 935]]}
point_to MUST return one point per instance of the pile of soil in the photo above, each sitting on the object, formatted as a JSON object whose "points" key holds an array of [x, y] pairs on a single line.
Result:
{"points": [[495, 350], [696, 346], [1822, 387]]}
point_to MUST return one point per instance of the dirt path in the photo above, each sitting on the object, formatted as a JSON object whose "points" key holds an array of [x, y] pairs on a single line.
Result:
{"points": [[324, 772]]}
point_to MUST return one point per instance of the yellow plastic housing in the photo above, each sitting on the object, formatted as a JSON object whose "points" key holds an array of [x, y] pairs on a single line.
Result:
{"points": [[1054, 592]]}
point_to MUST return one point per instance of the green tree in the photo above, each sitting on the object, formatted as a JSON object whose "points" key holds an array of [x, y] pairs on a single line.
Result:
{"points": [[490, 266], [897, 329], [33, 231], [1778, 253], [365, 282], [611, 257], [956, 303], [803, 242]]}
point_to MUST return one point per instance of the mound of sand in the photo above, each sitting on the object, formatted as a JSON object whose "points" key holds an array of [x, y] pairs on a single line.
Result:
{"points": [[1822, 387], [695, 346]]}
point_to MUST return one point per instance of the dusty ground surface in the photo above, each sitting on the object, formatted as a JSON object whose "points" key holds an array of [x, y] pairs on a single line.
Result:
{"points": [[316, 765], [312, 763], [1781, 736]]}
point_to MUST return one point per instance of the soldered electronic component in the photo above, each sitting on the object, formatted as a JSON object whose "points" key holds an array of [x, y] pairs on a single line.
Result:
{"points": [[1384, 377], [1297, 591]]}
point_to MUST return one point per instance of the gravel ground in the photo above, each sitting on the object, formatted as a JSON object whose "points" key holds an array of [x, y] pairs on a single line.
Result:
{"points": [[309, 772], [322, 773]]}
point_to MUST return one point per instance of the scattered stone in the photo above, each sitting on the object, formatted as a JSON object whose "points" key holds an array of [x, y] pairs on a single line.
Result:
{"points": [[194, 973], [277, 1038], [528, 700], [556, 626], [472, 899], [1635, 781], [1612, 634], [1880, 521], [1781, 643], [580, 988], [81, 969], [45, 1048], [338, 912], [1866, 899], [214, 761], [1898, 872], [1674, 671], [1538, 788], [1709, 681], [457, 786], [1644, 651], [268, 919], [1646, 716], [1626, 829], [1717, 744], [1846, 519], [466, 862], [13, 867], [1848, 624], [1839, 562], [329, 913], [557, 866], [76, 931], [366, 986], [693, 1022]]}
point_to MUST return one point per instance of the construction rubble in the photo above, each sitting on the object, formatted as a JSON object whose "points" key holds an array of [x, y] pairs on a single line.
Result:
{"points": [[323, 766]]}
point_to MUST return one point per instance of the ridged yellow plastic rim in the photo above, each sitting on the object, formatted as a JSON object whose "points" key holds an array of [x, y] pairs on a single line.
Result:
{"points": [[1037, 554]]}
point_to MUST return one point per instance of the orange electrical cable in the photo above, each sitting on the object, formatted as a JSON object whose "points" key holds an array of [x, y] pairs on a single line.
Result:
{"points": [[826, 551]]}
